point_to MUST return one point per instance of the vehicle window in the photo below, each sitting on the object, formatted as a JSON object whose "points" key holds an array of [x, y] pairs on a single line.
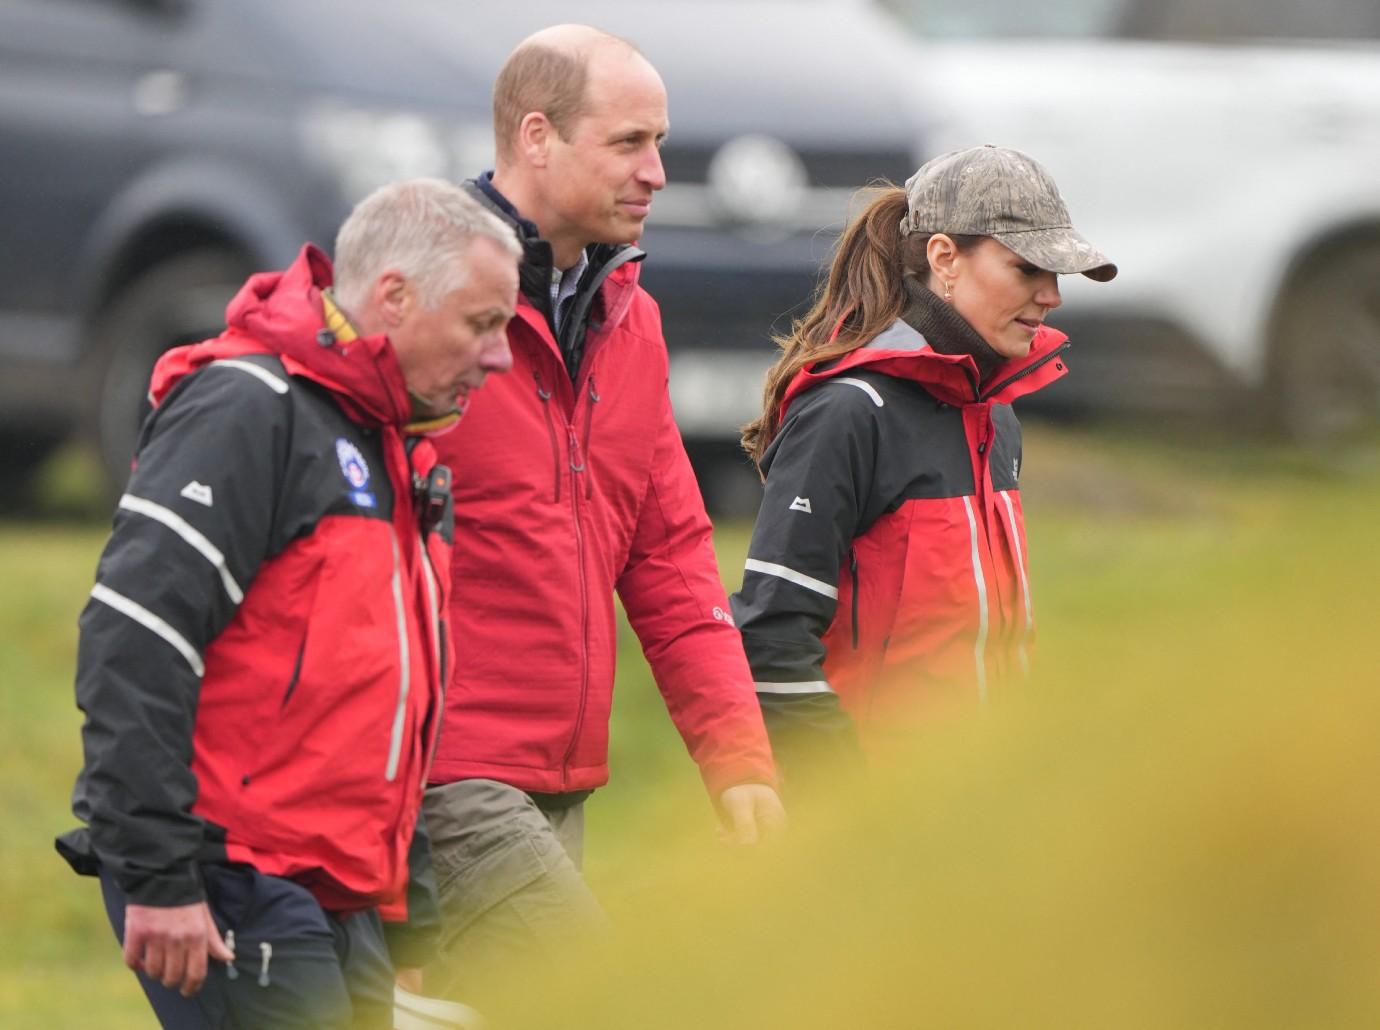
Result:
{"points": [[1014, 19], [1228, 20], [1213, 21]]}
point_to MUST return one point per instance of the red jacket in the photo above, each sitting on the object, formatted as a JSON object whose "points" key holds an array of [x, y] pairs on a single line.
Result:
{"points": [[889, 560], [565, 494], [287, 717]]}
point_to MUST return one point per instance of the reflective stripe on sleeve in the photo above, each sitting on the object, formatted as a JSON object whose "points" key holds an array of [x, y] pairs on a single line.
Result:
{"points": [[188, 533], [151, 622], [812, 687], [798, 578]]}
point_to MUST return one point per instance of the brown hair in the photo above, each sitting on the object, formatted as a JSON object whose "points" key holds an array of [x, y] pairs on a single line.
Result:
{"points": [[540, 77], [863, 293]]}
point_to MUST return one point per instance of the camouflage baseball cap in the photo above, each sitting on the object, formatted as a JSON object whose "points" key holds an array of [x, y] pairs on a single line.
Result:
{"points": [[993, 191]]}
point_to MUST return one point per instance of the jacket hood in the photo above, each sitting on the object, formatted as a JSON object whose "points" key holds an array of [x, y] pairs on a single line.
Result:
{"points": [[902, 351], [281, 313]]}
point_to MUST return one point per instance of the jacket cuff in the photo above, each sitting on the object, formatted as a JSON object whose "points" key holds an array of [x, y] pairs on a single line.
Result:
{"points": [[719, 777], [165, 889]]}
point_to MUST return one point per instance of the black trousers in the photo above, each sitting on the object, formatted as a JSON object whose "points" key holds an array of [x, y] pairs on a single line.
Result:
{"points": [[296, 966]]}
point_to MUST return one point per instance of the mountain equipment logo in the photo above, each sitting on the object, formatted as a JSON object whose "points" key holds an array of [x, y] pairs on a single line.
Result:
{"points": [[1015, 468], [802, 504], [199, 492]]}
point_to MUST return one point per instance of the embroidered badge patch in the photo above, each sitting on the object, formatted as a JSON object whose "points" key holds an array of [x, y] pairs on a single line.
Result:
{"points": [[356, 472], [352, 463]]}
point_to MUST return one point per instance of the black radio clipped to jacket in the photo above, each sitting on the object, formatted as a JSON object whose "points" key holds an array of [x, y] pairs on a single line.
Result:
{"points": [[433, 494]]}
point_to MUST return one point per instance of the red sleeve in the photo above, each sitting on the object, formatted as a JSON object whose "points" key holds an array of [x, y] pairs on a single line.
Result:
{"points": [[676, 604]]}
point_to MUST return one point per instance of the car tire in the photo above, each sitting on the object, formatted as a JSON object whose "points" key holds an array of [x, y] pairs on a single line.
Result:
{"points": [[179, 301], [22, 454], [1324, 384]]}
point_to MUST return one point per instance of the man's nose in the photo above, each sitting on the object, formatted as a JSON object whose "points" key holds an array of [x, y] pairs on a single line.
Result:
{"points": [[652, 172], [496, 355]]}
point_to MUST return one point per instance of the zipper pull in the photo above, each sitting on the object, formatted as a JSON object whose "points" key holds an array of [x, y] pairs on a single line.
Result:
{"points": [[576, 462], [266, 950]]}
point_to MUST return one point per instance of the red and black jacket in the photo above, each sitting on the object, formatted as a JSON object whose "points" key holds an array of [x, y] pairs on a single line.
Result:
{"points": [[262, 660], [569, 488], [888, 562]]}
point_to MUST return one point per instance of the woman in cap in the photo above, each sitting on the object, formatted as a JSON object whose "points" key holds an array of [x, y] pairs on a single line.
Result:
{"points": [[887, 569]]}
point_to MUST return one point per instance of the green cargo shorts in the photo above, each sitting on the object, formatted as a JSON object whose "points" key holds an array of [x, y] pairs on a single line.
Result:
{"points": [[512, 897]]}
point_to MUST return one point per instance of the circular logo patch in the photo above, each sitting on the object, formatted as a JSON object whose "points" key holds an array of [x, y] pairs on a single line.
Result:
{"points": [[352, 464]]}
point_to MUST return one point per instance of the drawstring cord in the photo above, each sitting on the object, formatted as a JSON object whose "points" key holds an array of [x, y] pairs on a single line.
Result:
{"points": [[266, 950]]}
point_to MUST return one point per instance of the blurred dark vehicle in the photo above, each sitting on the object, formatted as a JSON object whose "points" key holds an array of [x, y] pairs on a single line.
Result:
{"points": [[155, 152], [1224, 153]]}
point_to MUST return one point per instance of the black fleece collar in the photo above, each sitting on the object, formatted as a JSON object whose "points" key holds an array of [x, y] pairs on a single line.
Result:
{"points": [[945, 330]]}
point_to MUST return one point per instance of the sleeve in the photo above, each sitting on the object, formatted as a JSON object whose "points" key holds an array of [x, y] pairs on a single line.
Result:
{"points": [[189, 534], [821, 469], [675, 601], [413, 937]]}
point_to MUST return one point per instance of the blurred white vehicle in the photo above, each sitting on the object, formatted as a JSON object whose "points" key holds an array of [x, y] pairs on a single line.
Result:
{"points": [[1225, 153]]}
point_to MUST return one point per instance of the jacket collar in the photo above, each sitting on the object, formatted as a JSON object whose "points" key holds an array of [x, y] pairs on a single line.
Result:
{"points": [[903, 351], [612, 274], [282, 313]]}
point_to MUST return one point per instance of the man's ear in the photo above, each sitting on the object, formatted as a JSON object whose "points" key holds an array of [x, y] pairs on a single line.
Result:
{"points": [[534, 137], [393, 296]]}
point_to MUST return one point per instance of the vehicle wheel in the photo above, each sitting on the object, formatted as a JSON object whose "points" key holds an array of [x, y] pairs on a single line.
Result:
{"points": [[180, 301], [1325, 362], [21, 456]]}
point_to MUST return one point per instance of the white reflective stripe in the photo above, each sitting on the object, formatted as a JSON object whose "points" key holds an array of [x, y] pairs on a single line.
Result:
{"points": [[434, 606], [798, 578], [405, 681], [151, 622], [190, 534], [980, 648], [866, 388], [1025, 582], [813, 687], [262, 374], [1020, 561]]}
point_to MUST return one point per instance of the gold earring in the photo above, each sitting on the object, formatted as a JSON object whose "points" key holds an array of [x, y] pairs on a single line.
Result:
{"points": [[948, 291]]}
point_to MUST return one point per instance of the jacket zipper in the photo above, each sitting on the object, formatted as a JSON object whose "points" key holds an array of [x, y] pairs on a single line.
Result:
{"points": [[434, 610], [997, 387], [589, 430], [545, 396], [438, 627], [576, 466], [853, 570], [404, 658]]}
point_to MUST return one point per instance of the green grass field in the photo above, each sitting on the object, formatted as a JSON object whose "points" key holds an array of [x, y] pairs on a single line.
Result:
{"points": [[1175, 824]]}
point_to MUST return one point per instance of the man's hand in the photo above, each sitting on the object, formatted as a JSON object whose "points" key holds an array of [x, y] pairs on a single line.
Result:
{"points": [[409, 978], [750, 813], [170, 945]]}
